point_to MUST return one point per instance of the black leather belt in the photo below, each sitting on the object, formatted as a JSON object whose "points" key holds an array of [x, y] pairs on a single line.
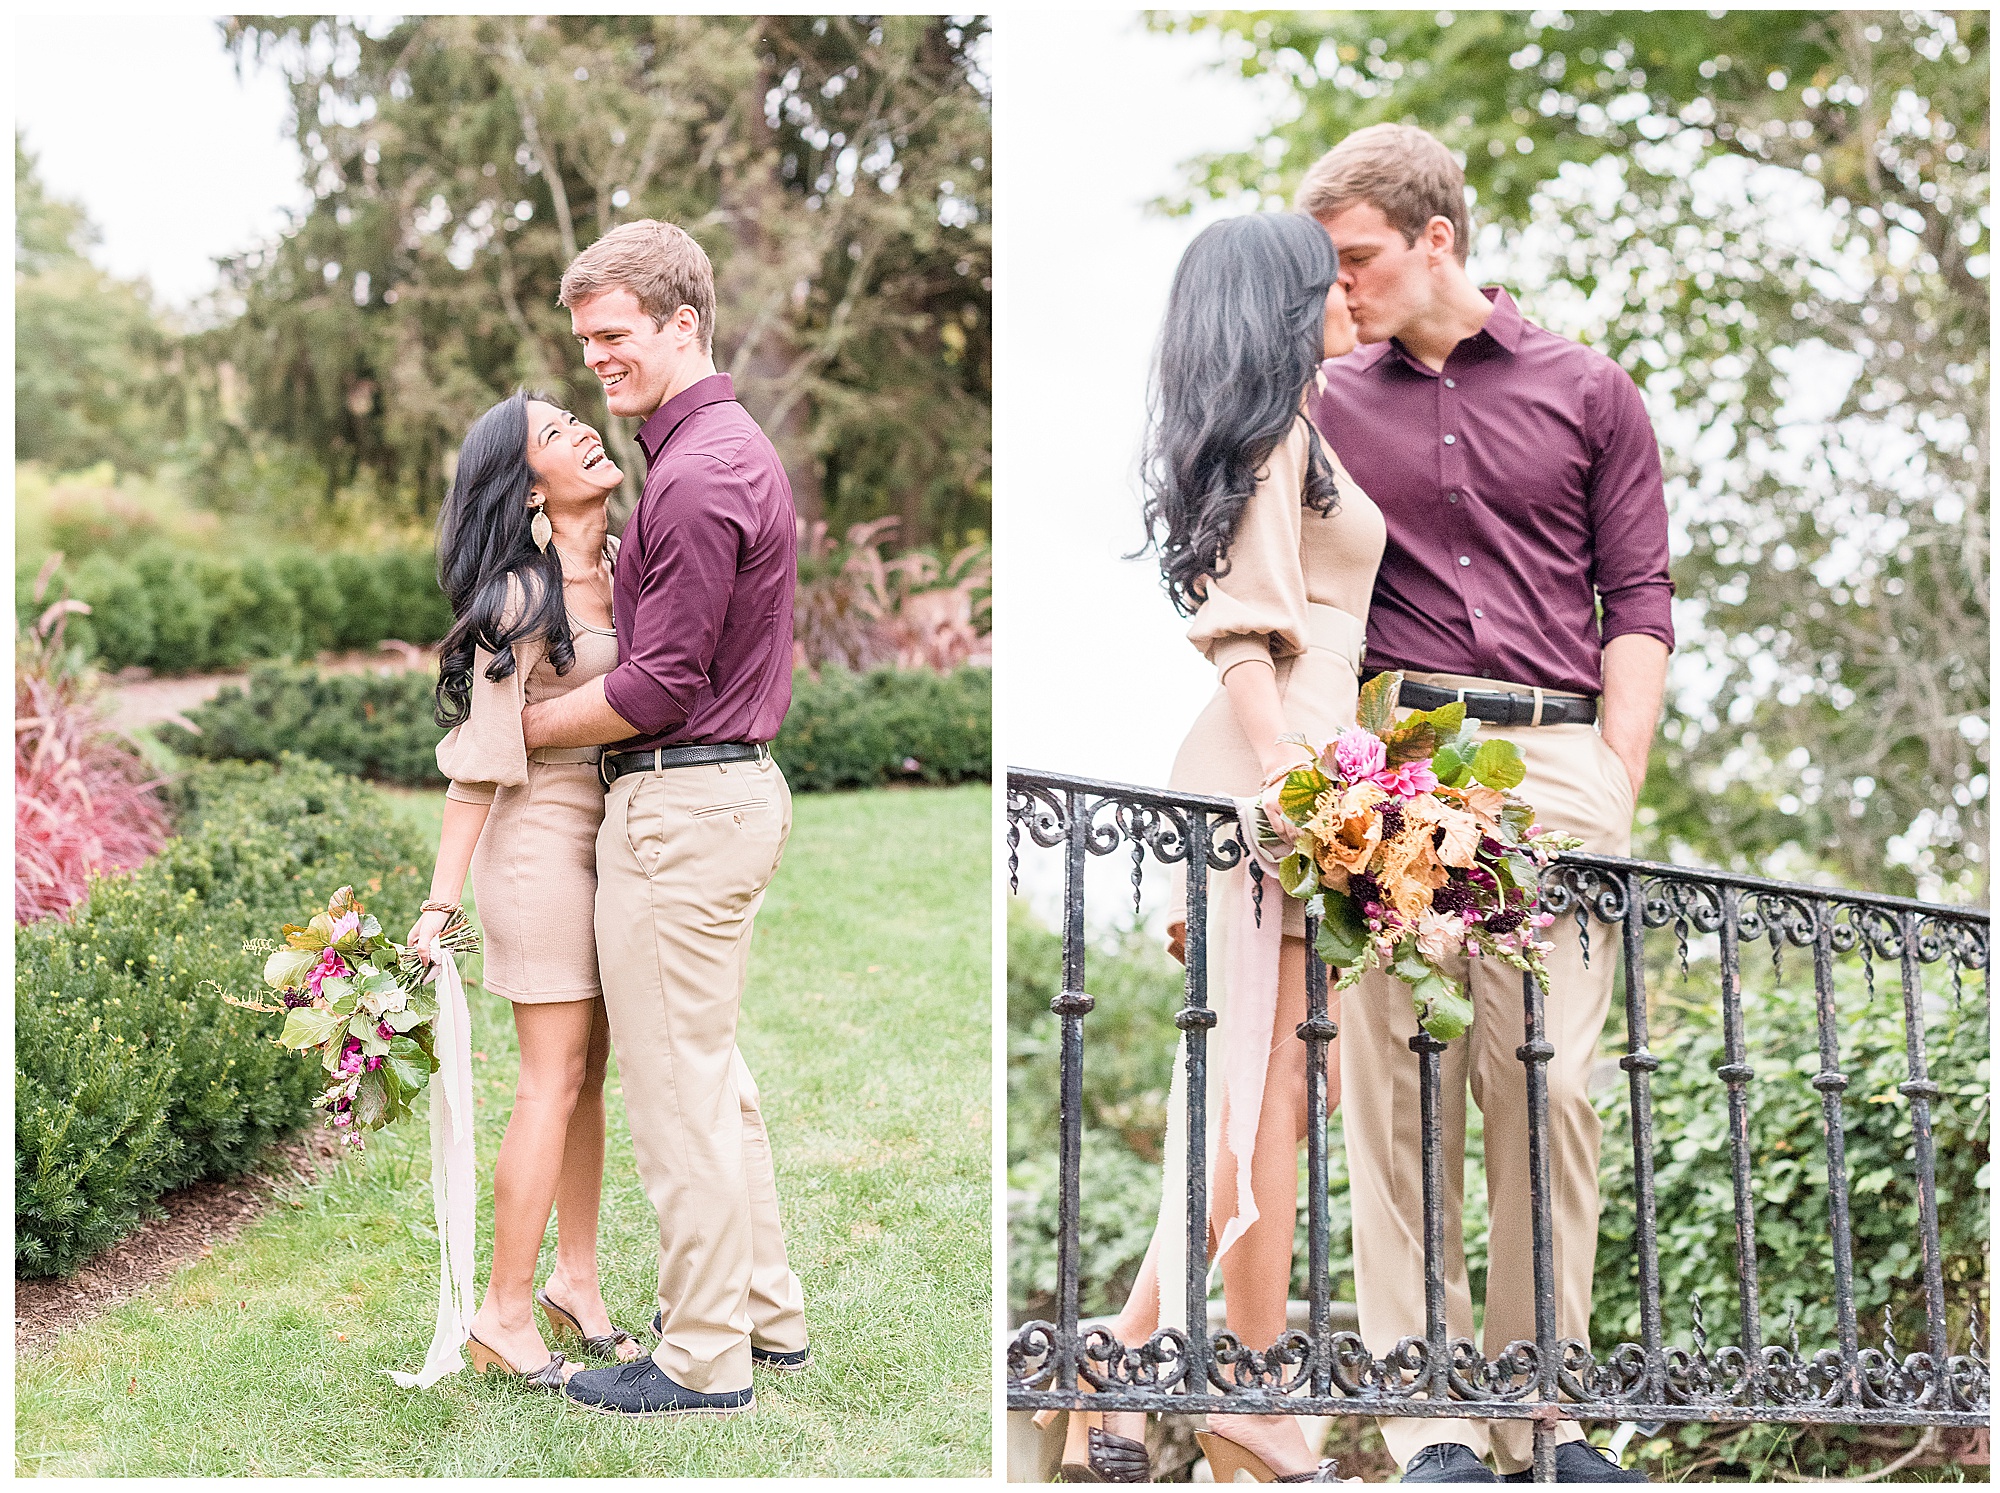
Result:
{"points": [[616, 764], [1497, 709]]}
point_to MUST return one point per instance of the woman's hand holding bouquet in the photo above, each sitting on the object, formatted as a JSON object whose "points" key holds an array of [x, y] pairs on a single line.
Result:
{"points": [[1410, 849], [364, 1003]]}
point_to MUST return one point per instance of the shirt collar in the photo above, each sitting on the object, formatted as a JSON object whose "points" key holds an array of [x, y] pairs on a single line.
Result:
{"points": [[1503, 327], [660, 426]]}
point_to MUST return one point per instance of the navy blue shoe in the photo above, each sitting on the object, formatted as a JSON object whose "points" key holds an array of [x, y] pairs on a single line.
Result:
{"points": [[767, 1358], [642, 1390], [1443, 1462]]}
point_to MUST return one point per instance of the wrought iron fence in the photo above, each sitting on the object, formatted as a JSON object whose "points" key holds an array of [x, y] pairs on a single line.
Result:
{"points": [[1324, 1372]]}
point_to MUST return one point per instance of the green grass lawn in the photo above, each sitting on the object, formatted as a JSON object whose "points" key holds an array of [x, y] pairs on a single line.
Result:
{"points": [[867, 1024]]}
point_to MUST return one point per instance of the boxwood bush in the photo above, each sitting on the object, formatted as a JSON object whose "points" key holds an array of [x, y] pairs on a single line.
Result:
{"points": [[133, 1077], [843, 731], [178, 610], [373, 725]]}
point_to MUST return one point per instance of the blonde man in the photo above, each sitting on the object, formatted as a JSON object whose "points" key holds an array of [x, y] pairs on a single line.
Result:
{"points": [[696, 816], [1520, 483]]}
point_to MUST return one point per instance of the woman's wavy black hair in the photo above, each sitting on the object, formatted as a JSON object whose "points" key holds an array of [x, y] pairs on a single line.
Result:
{"points": [[483, 539], [1243, 337]]}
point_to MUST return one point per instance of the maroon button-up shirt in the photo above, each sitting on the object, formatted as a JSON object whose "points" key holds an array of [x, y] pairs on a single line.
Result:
{"points": [[1521, 488], [703, 586]]}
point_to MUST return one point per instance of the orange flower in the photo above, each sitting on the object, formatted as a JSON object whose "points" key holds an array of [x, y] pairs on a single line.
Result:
{"points": [[1409, 870], [1348, 829]]}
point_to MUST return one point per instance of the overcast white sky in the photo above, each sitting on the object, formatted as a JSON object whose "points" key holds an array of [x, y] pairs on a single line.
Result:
{"points": [[1093, 671], [144, 121]]}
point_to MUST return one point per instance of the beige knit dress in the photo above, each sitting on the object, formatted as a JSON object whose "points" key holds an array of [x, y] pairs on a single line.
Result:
{"points": [[534, 871], [1295, 595]]}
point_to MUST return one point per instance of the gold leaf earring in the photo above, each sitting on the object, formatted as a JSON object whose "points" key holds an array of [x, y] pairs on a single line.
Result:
{"points": [[541, 531]]}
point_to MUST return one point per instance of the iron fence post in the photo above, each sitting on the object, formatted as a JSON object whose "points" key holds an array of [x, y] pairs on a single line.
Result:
{"points": [[1535, 1053]]}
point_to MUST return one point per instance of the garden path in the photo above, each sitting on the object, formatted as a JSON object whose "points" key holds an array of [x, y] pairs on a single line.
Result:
{"points": [[145, 700]]}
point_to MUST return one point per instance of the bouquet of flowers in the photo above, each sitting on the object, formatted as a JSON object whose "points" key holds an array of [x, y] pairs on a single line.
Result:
{"points": [[364, 1003], [1411, 849]]}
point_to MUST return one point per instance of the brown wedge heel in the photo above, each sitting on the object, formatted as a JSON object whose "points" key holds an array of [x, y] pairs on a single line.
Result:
{"points": [[611, 1345], [550, 1376]]}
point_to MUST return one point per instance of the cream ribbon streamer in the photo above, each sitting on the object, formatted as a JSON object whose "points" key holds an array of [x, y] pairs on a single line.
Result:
{"points": [[1247, 1002], [451, 1176]]}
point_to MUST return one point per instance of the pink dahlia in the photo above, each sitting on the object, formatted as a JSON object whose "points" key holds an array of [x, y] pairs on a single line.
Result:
{"points": [[1406, 779], [1357, 754]]}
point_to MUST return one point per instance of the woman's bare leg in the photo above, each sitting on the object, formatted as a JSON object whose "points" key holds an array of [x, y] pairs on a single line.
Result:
{"points": [[573, 1284], [555, 1041], [1257, 1271]]}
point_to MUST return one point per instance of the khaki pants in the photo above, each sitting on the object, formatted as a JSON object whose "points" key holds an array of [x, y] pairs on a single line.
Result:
{"points": [[1578, 786], [683, 859]]}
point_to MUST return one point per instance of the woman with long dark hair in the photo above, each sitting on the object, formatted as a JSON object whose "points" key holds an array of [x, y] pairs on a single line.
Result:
{"points": [[1267, 544], [524, 556]]}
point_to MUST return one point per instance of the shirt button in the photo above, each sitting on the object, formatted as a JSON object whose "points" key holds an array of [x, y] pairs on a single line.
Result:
{"points": [[1451, 440], [1451, 383], [1479, 611], [1465, 559], [1451, 497]]}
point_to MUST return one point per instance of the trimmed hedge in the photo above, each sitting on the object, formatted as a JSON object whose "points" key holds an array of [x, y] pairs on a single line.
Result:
{"points": [[843, 731], [371, 725], [132, 1075], [182, 611], [887, 726]]}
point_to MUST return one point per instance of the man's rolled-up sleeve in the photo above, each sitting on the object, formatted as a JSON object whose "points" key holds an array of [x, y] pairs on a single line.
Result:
{"points": [[695, 530], [1628, 515]]}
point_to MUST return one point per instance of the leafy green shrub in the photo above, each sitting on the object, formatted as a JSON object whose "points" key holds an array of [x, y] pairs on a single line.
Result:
{"points": [[1693, 1185], [133, 1076], [887, 726], [181, 610], [844, 730], [372, 725]]}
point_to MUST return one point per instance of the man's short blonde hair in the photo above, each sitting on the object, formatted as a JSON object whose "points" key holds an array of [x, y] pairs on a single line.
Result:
{"points": [[663, 267], [1402, 171]]}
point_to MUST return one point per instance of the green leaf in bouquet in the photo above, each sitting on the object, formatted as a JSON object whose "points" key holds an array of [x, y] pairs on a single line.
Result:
{"points": [[1409, 966], [405, 1019], [308, 938], [1442, 1007], [371, 926], [339, 994], [1298, 875], [362, 1027], [1451, 768], [423, 1000], [1343, 932], [1446, 719], [371, 1101], [1515, 817], [1413, 741], [1375, 710], [288, 968], [410, 1064], [1498, 764], [1300, 795], [309, 1026]]}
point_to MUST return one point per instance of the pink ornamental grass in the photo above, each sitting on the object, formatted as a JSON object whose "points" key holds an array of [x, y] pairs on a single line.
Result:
{"points": [[83, 803]]}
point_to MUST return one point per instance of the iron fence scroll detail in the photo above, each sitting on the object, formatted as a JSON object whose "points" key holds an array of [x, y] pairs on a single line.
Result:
{"points": [[1941, 1380]]}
